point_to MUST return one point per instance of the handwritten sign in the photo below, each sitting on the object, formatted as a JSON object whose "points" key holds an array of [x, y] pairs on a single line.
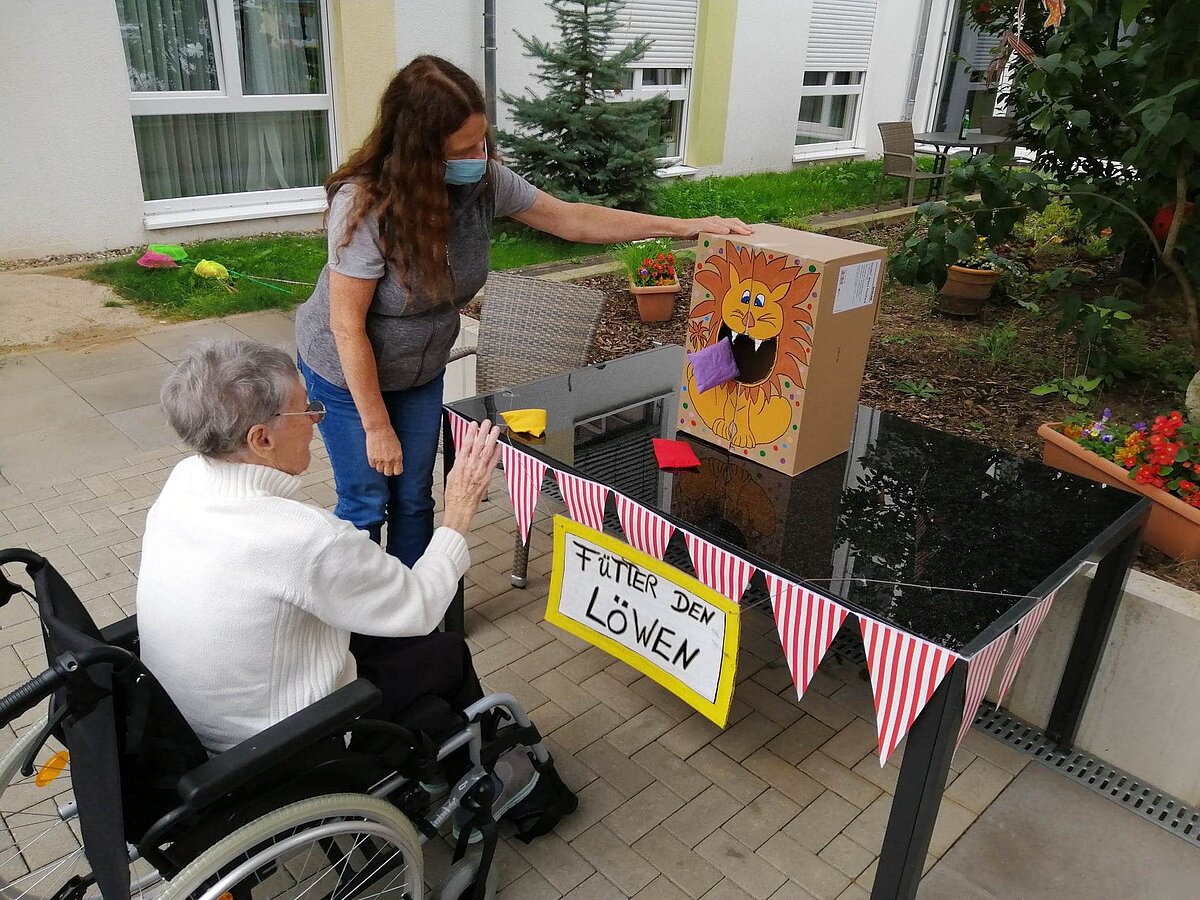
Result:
{"points": [[646, 613]]}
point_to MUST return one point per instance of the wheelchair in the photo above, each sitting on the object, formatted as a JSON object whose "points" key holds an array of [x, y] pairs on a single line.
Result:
{"points": [[111, 795]]}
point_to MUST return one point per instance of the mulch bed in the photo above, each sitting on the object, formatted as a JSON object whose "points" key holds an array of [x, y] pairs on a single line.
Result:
{"points": [[988, 402]]}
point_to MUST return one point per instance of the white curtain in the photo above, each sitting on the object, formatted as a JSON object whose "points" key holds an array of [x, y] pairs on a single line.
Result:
{"points": [[187, 155]]}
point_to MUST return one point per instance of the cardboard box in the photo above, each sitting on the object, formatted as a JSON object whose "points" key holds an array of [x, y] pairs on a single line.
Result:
{"points": [[798, 309]]}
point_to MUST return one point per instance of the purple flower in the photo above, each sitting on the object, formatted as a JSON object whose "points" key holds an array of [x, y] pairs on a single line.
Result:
{"points": [[1107, 438], [1139, 426], [643, 271], [1107, 415]]}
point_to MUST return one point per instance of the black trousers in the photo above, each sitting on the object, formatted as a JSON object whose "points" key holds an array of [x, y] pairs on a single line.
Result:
{"points": [[405, 669]]}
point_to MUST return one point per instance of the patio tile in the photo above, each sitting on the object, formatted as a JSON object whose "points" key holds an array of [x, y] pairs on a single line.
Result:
{"points": [[979, 784], [821, 821], [30, 458], [838, 778], [530, 886], [639, 814], [270, 327], [724, 772], [124, 390], [690, 871], [761, 818], [597, 887], [809, 871], [626, 775], [800, 739], [726, 890], [24, 373], [108, 359], [173, 341], [672, 771], [615, 859], [661, 888], [752, 873], [847, 856], [40, 408], [556, 861], [702, 816]]}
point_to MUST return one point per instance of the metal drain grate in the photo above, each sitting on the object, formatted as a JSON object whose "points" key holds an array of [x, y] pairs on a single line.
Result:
{"points": [[1095, 774]]}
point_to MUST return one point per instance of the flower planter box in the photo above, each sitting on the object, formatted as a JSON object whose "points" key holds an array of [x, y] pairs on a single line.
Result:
{"points": [[655, 302], [1173, 528], [965, 290]]}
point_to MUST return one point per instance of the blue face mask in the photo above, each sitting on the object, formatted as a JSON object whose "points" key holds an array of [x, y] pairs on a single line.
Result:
{"points": [[465, 171]]}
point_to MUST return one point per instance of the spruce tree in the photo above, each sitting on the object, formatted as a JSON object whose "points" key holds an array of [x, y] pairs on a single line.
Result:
{"points": [[571, 142]]}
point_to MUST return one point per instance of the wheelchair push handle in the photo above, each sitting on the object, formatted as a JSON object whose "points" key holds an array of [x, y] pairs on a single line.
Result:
{"points": [[35, 691]]}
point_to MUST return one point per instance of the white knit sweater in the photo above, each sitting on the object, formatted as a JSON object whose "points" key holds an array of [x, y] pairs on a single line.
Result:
{"points": [[246, 596]]}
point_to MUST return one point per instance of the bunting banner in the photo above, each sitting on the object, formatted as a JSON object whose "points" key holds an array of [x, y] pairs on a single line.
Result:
{"points": [[722, 571], [647, 531], [905, 671], [585, 499], [980, 669], [458, 429], [1026, 629], [524, 475], [807, 624]]}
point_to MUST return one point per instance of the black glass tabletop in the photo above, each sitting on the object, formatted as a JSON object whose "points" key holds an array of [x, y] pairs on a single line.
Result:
{"points": [[941, 536]]}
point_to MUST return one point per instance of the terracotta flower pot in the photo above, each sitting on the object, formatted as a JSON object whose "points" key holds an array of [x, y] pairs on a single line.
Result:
{"points": [[1173, 528], [965, 290], [655, 302]]}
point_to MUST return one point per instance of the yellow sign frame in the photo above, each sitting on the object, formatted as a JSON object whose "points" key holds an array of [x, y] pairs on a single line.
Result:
{"points": [[718, 710]]}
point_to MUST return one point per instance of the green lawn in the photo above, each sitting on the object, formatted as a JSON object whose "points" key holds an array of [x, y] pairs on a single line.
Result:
{"points": [[787, 197]]}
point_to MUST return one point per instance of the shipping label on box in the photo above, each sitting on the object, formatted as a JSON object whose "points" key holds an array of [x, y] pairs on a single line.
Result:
{"points": [[797, 310]]}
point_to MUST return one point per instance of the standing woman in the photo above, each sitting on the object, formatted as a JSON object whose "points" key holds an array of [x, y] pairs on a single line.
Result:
{"points": [[408, 228]]}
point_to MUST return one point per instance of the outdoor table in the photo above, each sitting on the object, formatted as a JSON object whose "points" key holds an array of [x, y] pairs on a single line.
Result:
{"points": [[944, 140], [936, 535]]}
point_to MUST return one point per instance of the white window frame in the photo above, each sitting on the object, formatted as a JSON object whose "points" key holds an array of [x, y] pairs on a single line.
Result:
{"points": [[848, 146], [228, 98], [673, 92]]}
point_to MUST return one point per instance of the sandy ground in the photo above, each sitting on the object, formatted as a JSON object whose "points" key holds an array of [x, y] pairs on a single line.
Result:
{"points": [[36, 310]]}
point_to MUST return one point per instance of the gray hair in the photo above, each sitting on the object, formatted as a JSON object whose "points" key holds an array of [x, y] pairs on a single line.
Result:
{"points": [[222, 389]]}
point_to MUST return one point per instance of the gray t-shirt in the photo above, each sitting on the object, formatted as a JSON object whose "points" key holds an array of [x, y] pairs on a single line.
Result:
{"points": [[411, 335]]}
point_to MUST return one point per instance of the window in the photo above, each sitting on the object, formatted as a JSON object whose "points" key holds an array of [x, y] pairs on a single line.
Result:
{"points": [[231, 102], [644, 83], [829, 109]]}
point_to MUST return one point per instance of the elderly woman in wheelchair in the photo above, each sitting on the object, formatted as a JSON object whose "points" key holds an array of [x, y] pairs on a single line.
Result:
{"points": [[281, 718]]}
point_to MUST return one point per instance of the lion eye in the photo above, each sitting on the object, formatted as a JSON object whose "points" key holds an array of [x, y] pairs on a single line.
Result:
{"points": [[760, 300], [746, 297]]}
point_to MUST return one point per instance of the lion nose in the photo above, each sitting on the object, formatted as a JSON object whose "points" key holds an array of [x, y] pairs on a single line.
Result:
{"points": [[748, 320]]}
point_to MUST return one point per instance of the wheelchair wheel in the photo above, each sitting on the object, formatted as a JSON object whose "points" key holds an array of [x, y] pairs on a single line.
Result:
{"points": [[461, 878], [40, 849], [339, 846]]}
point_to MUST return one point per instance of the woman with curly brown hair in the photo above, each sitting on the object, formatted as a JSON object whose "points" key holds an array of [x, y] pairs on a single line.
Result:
{"points": [[408, 228]]}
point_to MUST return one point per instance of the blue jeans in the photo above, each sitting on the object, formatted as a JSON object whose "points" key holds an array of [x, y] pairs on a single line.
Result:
{"points": [[366, 498]]}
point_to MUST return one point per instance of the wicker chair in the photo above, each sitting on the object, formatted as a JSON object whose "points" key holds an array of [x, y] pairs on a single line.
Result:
{"points": [[531, 328], [900, 160], [1001, 125]]}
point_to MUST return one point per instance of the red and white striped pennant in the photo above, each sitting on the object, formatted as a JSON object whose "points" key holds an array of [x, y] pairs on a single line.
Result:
{"points": [[585, 499], [980, 669], [719, 569], [905, 671], [524, 475], [458, 429], [807, 624], [647, 531], [1026, 629]]}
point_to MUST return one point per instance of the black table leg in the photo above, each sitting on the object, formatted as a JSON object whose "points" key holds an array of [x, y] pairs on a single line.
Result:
{"points": [[923, 774], [455, 618], [1091, 637]]}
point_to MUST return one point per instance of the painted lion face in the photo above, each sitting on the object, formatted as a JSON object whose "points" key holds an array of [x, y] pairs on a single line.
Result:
{"points": [[758, 302]]}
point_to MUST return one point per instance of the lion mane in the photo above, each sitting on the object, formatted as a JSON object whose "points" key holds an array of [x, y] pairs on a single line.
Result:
{"points": [[794, 342]]}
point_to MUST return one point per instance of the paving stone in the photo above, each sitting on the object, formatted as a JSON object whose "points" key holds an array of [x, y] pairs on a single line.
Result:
{"points": [[642, 812], [800, 739], [597, 722], [733, 777], [747, 736], [979, 784], [31, 412], [821, 821], [570, 696], [662, 699], [636, 733], [661, 888], [599, 888], [585, 665], [884, 778], [690, 735], [596, 801], [529, 886], [102, 563], [847, 856], [775, 678], [783, 711], [106, 359], [856, 698], [24, 372], [677, 774], [557, 862], [498, 655], [868, 828], [839, 779], [769, 812], [1000, 754], [174, 341], [689, 870], [119, 391], [702, 816], [854, 892], [542, 660], [784, 777], [852, 743], [505, 681], [549, 717], [726, 890], [952, 821], [827, 710], [615, 859], [752, 873], [791, 891], [809, 871], [614, 694], [623, 773]]}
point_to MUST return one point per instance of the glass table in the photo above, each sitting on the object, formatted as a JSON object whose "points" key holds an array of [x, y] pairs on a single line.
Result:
{"points": [[939, 536], [943, 141]]}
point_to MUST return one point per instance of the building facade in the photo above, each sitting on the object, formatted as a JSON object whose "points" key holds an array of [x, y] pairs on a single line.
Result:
{"points": [[131, 121]]}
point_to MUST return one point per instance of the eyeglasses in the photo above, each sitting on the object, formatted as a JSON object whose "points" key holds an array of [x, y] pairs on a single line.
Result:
{"points": [[315, 411]]}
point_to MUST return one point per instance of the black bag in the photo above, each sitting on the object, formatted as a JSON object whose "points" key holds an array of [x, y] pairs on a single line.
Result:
{"points": [[545, 806]]}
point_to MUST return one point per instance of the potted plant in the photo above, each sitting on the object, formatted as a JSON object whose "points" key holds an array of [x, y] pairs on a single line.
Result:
{"points": [[970, 280], [653, 281], [1159, 460]]}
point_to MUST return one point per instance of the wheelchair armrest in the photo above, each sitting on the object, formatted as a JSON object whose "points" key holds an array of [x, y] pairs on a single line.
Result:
{"points": [[246, 761], [461, 353], [123, 634]]}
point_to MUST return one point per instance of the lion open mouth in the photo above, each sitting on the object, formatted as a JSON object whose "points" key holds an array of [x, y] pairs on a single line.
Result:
{"points": [[755, 359]]}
